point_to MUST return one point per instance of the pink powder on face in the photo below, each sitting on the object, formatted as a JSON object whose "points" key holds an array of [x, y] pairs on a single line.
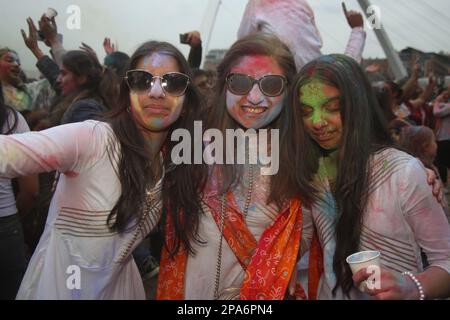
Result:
{"points": [[257, 66], [264, 4]]}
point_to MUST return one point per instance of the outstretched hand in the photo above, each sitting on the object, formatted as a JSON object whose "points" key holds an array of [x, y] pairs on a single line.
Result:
{"points": [[442, 97], [373, 68], [31, 41], [109, 48], [91, 52], [194, 39], [354, 18], [49, 30], [436, 185], [432, 81]]}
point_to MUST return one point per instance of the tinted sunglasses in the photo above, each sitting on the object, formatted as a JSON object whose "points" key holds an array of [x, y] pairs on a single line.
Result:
{"points": [[270, 85], [172, 83]]}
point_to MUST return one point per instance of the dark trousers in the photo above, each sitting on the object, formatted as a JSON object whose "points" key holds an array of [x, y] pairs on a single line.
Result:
{"points": [[443, 158], [12, 256]]}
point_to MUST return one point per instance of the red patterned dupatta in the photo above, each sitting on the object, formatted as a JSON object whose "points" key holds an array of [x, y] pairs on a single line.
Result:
{"points": [[315, 267], [268, 263]]}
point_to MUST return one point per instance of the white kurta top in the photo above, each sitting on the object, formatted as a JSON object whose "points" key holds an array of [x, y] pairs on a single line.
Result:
{"points": [[402, 217], [78, 257], [201, 268], [293, 22]]}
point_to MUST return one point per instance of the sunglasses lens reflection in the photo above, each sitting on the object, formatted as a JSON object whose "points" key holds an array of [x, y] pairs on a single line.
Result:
{"points": [[173, 83], [272, 85], [240, 84], [139, 80]]}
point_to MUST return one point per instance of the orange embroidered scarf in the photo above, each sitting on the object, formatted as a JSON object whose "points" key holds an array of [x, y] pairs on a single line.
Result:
{"points": [[268, 263]]}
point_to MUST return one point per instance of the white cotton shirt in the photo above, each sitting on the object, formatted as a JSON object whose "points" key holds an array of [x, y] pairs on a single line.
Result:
{"points": [[78, 256], [201, 269], [402, 217]]}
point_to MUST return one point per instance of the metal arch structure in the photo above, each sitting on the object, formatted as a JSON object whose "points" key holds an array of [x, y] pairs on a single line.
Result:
{"points": [[393, 58], [208, 24]]}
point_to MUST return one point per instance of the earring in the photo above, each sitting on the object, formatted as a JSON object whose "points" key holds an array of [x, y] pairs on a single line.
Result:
{"points": [[128, 109]]}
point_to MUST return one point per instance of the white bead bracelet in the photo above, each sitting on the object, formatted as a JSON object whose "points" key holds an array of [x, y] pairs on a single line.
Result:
{"points": [[417, 283]]}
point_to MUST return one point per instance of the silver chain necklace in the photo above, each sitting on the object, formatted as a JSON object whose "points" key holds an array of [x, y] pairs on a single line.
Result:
{"points": [[232, 293]]}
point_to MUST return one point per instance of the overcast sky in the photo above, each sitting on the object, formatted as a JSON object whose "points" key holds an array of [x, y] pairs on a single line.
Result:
{"points": [[423, 24]]}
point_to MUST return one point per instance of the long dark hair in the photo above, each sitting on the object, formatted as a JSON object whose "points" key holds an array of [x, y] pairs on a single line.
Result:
{"points": [[181, 183], [415, 140], [385, 101], [364, 132], [288, 182], [5, 112], [101, 84]]}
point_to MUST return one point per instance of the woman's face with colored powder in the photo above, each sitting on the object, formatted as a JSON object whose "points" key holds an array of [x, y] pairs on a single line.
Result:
{"points": [[255, 109], [10, 68], [154, 109], [320, 109]]}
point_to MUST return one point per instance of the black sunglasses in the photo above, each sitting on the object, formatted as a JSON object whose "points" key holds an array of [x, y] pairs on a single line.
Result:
{"points": [[270, 85], [172, 83]]}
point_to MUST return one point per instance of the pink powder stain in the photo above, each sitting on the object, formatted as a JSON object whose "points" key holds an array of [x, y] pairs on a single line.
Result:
{"points": [[267, 3], [52, 162], [71, 174], [257, 66]]}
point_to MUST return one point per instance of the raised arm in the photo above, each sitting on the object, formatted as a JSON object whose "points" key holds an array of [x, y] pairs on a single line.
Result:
{"points": [[195, 54], [248, 23], [49, 30], [65, 148], [47, 66], [410, 85], [108, 46], [355, 45], [425, 95]]}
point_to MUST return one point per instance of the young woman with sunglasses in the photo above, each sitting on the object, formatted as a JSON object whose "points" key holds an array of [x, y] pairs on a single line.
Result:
{"points": [[372, 196], [251, 226], [108, 197]]}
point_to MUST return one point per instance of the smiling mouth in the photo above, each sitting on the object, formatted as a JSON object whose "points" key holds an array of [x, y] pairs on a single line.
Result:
{"points": [[324, 136], [254, 110], [15, 72]]}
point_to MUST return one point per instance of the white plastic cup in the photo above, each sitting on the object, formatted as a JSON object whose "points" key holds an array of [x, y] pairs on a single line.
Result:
{"points": [[361, 260], [51, 13]]}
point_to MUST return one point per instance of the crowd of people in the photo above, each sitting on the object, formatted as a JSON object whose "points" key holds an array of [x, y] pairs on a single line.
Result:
{"points": [[88, 184]]}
